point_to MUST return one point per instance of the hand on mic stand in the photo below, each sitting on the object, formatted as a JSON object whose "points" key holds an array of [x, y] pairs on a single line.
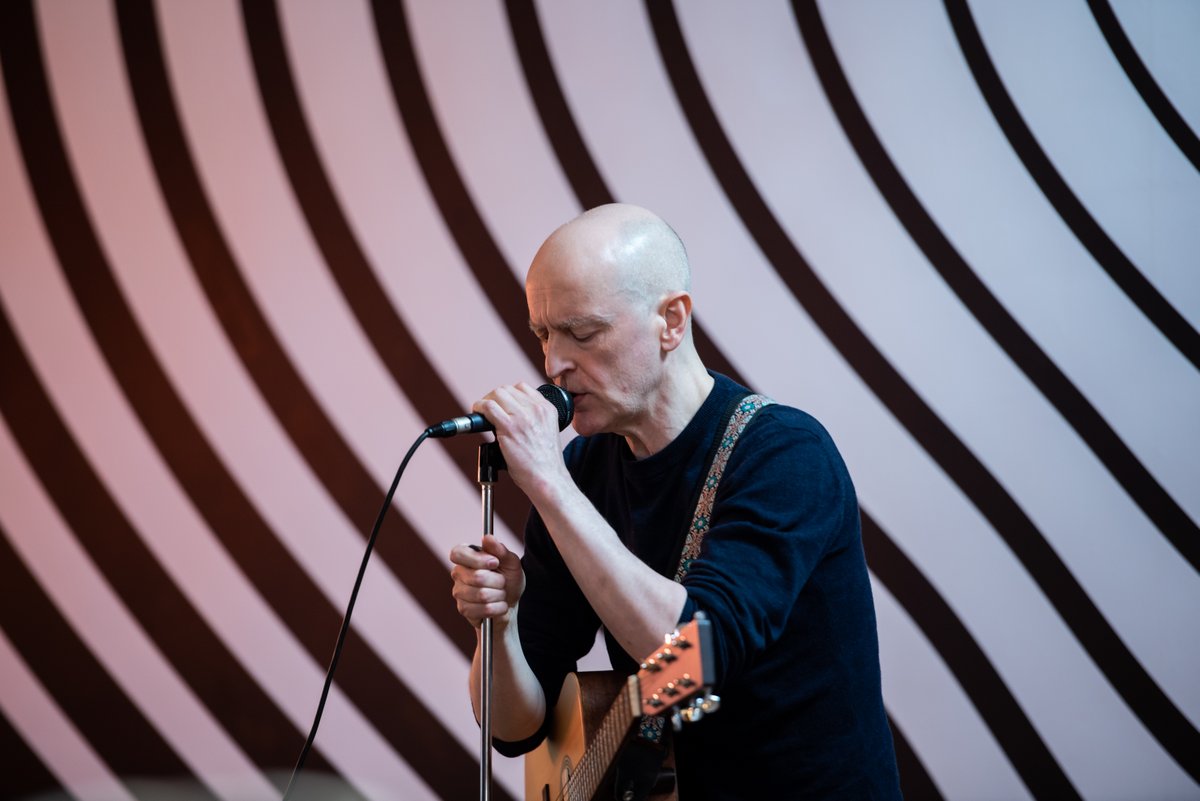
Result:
{"points": [[491, 461]]}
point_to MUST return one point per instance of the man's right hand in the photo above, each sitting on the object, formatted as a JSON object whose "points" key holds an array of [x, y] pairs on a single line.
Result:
{"points": [[488, 581]]}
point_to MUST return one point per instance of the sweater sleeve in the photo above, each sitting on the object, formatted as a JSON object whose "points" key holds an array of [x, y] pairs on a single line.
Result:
{"points": [[784, 502]]}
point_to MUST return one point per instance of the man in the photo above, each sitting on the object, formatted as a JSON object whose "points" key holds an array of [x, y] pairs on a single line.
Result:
{"points": [[780, 574]]}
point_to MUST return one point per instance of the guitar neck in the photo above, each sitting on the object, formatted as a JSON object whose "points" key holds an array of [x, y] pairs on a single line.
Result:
{"points": [[585, 779]]}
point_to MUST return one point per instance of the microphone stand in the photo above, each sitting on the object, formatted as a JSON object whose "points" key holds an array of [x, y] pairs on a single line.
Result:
{"points": [[491, 462]]}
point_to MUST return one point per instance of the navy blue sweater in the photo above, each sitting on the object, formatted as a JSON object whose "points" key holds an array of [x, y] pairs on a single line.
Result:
{"points": [[781, 576]]}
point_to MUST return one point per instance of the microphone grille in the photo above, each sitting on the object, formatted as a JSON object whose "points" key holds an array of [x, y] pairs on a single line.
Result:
{"points": [[562, 402]]}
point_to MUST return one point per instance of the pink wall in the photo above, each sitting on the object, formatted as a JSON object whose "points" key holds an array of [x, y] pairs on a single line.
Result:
{"points": [[248, 253]]}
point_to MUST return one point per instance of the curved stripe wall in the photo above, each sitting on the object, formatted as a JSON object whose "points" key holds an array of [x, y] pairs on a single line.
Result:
{"points": [[248, 250]]}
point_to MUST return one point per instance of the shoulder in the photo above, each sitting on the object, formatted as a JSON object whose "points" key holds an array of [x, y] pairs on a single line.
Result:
{"points": [[785, 452], [773, 418], [778, 429]]}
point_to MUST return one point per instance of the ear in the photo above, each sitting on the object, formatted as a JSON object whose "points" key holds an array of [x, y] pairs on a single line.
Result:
{"points": [[676, 310]]}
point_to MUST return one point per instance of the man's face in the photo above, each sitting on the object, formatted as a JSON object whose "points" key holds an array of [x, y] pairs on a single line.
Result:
{"points": [[600, 344]]}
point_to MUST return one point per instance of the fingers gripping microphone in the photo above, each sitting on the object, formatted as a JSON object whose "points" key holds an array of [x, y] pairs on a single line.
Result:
{"points": [[475, 423], [562, 402]]}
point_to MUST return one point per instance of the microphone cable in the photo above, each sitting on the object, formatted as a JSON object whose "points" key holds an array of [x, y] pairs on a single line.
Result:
{"points": [[563, 404], [341, 639]]}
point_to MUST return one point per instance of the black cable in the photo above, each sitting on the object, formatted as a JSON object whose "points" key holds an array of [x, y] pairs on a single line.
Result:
{"points": [[341, 640]]}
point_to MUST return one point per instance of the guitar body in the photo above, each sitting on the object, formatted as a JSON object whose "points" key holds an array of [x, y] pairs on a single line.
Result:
{"points": [[582, 705]]}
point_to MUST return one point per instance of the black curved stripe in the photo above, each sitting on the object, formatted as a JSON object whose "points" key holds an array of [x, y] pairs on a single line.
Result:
{"points": [[446, 185], [25, 774], [1079, 413], [910, 588], [1112, 259], [1111, 656], [343, 255], [1152, 95], [553, 111], [229, 514], [915, 782], [572, 153], [574, 158], [971, 668], [195, 651], [315, 436], [76, 681], [404, 721]]}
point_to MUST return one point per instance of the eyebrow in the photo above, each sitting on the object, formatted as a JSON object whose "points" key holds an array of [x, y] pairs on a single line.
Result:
{"points": [[570, 323]]}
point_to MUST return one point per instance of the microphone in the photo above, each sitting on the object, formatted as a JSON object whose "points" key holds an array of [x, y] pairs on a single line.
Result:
{"points": [[475, 423]]}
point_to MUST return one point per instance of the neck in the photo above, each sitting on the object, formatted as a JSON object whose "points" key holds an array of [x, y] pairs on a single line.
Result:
{"points": [[677, 402]]}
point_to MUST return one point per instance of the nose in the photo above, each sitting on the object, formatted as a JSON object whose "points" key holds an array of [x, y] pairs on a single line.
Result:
{"points": [[557, 360]]}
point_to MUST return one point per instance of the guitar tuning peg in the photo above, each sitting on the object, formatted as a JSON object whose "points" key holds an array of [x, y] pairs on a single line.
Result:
{"points": [[652, 664], [709, 703], [698, 708]]}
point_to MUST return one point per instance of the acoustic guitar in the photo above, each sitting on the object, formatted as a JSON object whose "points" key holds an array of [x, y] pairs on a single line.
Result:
{"points": [[589, 728]]}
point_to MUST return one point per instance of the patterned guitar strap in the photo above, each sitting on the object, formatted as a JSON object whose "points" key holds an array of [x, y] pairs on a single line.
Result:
{"points": [[653, 727]]}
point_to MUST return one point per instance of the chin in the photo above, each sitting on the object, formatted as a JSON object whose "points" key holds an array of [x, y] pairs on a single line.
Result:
{"points": [[581, 425], [587, 425]]}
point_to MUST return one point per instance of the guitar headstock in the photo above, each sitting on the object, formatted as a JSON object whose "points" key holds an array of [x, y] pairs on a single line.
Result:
{"points": [[680, 673]]}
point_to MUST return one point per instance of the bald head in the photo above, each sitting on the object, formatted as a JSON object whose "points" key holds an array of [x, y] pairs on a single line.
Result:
{"points": [[619, 248], [609, 298]]}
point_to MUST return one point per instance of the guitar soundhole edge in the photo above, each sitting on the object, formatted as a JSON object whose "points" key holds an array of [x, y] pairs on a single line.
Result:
{"points": [[564, 775]]}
